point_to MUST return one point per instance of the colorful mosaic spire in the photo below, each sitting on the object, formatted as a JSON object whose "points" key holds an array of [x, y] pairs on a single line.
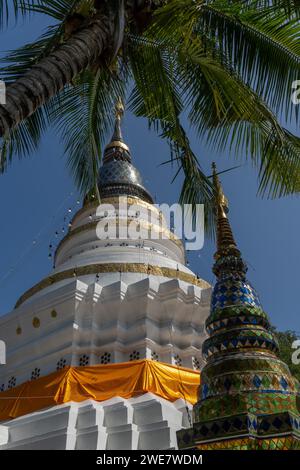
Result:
{"points": [[247, 397]]}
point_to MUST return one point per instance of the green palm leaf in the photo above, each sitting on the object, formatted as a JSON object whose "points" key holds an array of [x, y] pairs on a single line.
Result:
{"points": [[259, 39], [19, 61], [83, 115], [24, 139], [231, 117], [156, 96], [13, 8], [8, 8], [226, 66], [262, 46]]}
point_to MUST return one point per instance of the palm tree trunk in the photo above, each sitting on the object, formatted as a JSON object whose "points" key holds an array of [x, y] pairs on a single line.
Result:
{"points": [[52, 73]]}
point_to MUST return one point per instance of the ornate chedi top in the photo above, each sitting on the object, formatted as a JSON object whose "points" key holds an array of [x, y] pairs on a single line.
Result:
{"points": [[117, 175], [247, 397]]}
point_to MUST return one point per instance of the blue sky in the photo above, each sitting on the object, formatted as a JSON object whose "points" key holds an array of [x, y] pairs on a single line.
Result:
{"points": [[37, 192]]}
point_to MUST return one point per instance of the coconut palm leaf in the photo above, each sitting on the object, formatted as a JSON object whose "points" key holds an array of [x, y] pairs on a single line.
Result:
{"points": [[225, 112], [58, 9], [21, 60], [229, 115], [83, 114], [259, 39], [218, 63], [12, 8], [156, 96], [24, 139], [262, 46]]}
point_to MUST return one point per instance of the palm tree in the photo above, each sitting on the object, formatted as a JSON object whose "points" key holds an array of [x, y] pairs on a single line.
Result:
{"points": [[228, 66]]}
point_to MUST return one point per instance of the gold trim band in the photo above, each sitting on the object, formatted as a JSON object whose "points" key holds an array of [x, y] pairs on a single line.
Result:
{"points": [[117, 143], [110, 268]]}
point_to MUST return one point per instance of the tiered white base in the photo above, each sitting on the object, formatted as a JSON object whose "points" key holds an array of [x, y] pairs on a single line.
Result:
{"points": [[145, 422]]}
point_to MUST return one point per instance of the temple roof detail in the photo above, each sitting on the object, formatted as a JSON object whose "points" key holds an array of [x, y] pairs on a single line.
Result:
{"points": [[117, 175]]}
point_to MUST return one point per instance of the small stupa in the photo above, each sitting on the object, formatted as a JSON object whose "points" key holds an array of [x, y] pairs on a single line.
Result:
{"points": [[248, 397]]}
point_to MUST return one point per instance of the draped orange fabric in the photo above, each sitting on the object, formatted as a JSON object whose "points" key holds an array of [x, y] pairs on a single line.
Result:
{"points": [[100, 383]]}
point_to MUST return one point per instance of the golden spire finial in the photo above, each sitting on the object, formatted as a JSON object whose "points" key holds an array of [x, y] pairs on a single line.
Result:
{"points": [[220, 198], [117, 138], [119, 109], [226, 245], [119, 113]]}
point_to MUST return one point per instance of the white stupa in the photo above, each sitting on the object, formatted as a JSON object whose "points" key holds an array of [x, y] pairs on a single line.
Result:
{"points": [[111, 306]]}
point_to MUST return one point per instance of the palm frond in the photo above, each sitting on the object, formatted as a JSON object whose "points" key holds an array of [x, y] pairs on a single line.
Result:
{"points": [[21, 60], [59, 9], [24, 139], [226, 112], [83, 115], [215, 61], [230, 116], [259, 39], [156, 96], [4, 11], [262, 45], [12, 8]]}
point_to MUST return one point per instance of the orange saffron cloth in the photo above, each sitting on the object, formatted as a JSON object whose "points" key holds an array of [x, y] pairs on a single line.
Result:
{"points": [[100, 383]]}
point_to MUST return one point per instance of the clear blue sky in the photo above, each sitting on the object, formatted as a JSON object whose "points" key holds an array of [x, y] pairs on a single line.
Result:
{"points": [[37, 192]]}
